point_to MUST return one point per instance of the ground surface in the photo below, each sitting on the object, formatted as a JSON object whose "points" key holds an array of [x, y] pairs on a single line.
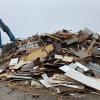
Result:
{"points": [[11, 91]]}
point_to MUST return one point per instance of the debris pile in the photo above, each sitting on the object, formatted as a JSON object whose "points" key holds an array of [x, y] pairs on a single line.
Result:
{"points": [[63, 61]]}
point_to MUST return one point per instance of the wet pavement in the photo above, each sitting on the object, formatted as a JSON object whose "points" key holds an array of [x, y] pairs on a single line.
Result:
{"points": [[10, 94]]}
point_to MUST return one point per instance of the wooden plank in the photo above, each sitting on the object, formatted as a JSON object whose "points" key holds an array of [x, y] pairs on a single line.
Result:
{"points": [[64, 58], [19, 65], [53, 37], [18, 77], [91, 46]]}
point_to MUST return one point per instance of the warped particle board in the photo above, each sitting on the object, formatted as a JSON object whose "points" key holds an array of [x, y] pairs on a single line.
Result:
{"points": [[39, 52]]}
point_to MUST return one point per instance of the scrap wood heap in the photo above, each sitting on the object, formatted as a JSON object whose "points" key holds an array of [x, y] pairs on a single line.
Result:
{"points": [[64, 61]]}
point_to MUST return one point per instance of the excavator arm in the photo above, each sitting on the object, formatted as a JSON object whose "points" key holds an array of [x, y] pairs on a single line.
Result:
{"points": [[8, 31]]}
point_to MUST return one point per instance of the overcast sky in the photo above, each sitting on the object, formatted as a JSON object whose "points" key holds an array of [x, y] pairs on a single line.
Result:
{"points": [[27, 17]]}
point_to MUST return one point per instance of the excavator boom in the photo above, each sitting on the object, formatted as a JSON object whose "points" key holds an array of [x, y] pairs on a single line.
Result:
{"points": [[8, 31]]}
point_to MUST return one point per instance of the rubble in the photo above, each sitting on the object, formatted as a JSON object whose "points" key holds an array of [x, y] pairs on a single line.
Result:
{"points": [[63, 61]]}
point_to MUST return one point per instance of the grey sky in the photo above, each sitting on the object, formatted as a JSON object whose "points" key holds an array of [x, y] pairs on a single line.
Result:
{"points": [[26, 17]]}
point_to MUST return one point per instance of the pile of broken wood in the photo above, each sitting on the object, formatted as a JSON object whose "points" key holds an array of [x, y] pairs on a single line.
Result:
{"points": [[63, 61]]}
